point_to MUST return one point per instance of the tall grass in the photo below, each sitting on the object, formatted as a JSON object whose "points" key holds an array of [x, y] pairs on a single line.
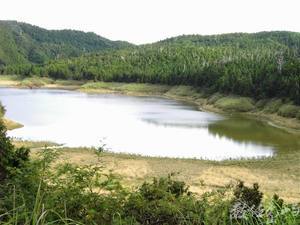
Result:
{"points": [[38, 215]]}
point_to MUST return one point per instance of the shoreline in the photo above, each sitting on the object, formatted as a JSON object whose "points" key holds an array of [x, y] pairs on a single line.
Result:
{"points": [[200, 175], [187, 94], [291, 125], [271, 119]]}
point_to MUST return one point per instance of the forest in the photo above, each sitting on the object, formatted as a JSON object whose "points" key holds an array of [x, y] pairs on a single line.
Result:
{"points": [[259, 65], [22, 43]]}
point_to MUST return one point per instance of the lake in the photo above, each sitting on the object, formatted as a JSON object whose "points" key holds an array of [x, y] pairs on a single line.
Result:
{"points": [[150, 126]]}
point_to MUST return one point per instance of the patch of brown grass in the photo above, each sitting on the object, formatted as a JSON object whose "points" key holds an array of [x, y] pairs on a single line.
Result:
{"points": [[11, 125], [200, 175]]}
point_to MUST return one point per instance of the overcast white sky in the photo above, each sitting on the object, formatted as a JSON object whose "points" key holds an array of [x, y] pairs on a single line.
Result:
{"points": [[144, 21]]}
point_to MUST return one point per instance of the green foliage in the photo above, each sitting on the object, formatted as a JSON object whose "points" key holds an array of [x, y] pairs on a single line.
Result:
{"points": [[214, 98], [289, 110], [260, 104], [280, 213], [260, 65], [247, 203], [236, 104], [273, 106], [250, 196], [184, 91], [21, 43], [35, 82], [164, 201], [44, 192], [127, 87], [217, 206], [11, 158]]}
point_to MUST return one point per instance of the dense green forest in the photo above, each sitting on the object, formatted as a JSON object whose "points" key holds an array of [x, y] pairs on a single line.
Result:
{"points": [[259, 65], [22, 43]]}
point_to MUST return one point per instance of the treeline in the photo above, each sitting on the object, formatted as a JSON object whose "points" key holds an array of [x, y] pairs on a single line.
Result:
{"points": [[262, 65]]}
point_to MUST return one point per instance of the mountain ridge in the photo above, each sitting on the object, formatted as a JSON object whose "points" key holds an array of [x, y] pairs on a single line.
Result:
{"points": [[25, 43]]}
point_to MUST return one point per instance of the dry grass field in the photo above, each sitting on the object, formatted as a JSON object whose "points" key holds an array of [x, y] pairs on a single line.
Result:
{"points": [[280, 175]]}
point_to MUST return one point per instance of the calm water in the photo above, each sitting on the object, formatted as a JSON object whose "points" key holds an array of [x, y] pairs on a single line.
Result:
{"points": [[142, 125]]}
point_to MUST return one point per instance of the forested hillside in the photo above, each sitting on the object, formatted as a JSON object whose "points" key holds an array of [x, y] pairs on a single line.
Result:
{"points": [[22, 43], [259, 65]]}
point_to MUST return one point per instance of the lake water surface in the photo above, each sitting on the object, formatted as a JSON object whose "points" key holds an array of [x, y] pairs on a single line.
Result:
{"points": [[149, 126]]}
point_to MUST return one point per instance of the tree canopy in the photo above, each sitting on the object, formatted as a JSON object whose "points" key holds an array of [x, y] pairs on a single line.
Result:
{"points": [[23, 43], [259, 65]]}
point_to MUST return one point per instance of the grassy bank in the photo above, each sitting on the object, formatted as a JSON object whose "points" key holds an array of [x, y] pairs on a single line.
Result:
{"points": [[38, 82], [280, 175], [279, 112], [34, 145]]}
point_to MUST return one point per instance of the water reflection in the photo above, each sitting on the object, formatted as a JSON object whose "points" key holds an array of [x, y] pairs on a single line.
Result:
{"points": [[246, 130], [180, 117]]}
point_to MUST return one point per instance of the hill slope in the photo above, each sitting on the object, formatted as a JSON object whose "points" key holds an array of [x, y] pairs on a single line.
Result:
{"points": [[23, 43], [240, 40], [259, 65]]}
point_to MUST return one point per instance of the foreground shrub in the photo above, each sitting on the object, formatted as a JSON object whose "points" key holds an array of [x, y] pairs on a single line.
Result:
{"points": [[11, 158], [246, 203], [289, 110], [73, 194], [164, 201]]}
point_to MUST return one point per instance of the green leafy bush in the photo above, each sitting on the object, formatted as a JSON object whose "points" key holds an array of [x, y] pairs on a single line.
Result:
{"points": [[164, 201], [289, 110], [214, 98], [246, 202], [11, 158], [236, 104], [273, 106]]}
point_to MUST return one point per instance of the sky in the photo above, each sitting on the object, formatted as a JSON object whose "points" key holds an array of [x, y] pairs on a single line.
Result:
{"points": [[146, 21]]}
